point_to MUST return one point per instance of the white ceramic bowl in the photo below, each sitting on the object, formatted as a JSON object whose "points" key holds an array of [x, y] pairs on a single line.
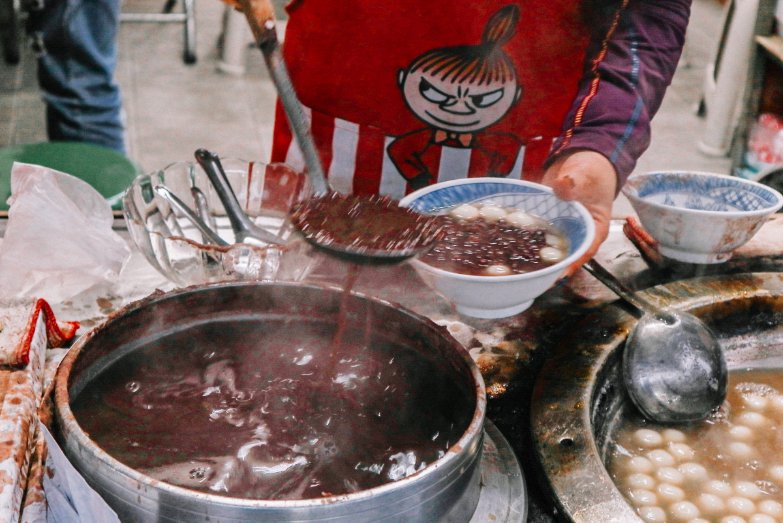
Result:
{"points": [[501, 296], [700, 217]]}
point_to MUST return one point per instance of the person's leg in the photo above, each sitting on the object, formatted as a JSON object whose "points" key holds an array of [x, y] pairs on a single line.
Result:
{"points": [[76, 70]]}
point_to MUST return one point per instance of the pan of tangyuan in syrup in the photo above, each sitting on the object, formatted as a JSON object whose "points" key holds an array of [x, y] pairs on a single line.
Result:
{"points": [[725, 469], [273, 402]]}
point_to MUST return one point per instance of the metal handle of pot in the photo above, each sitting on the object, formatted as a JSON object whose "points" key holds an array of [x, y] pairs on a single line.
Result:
{"points": [[261, 18]]}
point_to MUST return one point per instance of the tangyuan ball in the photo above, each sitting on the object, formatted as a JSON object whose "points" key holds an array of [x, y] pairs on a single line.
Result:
{"points": [[464, 212]]}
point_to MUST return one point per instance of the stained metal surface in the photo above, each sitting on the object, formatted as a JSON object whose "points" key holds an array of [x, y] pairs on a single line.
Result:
{"points": [[578, 393], [447, 489], [503, 497]]}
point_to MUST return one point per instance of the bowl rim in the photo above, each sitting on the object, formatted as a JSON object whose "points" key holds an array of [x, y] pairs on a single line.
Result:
{"points": [[631, 192], [538, 273]]}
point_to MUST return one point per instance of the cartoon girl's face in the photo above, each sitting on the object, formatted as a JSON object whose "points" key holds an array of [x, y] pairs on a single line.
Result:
{"points": [[458, 107]]}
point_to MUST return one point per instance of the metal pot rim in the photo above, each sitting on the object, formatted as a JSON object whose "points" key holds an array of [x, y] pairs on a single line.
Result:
{"points": [[72, 430]]}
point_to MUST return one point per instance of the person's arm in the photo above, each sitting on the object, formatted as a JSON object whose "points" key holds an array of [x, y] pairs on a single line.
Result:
{"points": [[630, 63]]}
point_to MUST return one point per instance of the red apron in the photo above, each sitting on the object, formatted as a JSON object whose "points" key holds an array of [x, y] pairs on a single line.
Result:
{"points": [[346, 57]]}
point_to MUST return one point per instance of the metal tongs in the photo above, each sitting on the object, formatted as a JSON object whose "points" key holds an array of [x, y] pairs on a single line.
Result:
{"points": [[245, 231]]}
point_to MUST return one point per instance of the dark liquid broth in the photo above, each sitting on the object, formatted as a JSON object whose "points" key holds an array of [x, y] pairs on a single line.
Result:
{"points": [[207, 410]]}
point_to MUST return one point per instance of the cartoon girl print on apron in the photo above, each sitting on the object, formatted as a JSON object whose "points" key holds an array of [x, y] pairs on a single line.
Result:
{"points": [[458, 92], [414, 111]]}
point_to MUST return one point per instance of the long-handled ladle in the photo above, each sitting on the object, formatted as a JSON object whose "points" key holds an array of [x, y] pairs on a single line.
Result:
{"points": [[405, 234], [673, 367], [261, 18]]}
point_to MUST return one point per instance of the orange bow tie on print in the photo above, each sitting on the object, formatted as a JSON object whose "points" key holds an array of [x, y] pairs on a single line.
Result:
{"points": [[463, 138]]}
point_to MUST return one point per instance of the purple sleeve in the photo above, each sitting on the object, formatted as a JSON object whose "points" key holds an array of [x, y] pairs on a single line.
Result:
{"points": [[629, 65]]}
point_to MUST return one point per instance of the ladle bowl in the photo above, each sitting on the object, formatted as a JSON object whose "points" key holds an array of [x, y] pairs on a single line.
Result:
{"points": [[365, 229], [673, 366]]}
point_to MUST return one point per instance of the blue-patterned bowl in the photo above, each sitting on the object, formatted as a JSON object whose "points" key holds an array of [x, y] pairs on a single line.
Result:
{"points": [[700, 217], [500, 296]]}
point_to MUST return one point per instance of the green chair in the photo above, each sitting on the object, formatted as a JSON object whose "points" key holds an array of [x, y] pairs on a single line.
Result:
{"points": [[108, 171]]}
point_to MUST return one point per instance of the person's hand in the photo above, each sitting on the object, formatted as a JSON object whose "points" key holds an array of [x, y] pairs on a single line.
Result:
{"points": [[589, 178]]}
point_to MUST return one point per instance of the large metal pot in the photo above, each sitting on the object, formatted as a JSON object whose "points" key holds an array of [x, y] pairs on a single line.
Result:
{"points": [[579, 397], [446, 490]]}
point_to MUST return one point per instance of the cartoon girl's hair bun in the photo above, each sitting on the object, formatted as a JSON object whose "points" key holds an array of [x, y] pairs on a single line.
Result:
{"points": [[501, 26]]}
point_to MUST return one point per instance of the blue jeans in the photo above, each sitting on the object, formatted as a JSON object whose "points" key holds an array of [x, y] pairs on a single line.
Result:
{"points": [[76, 70]]}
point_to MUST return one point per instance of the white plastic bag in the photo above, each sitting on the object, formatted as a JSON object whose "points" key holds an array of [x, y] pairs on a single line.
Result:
{"points": [[59, 243], [68, 496]]}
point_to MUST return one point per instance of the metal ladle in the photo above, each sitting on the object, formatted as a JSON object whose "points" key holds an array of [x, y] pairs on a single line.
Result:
{"points": [[261, 19], [673, 367]]}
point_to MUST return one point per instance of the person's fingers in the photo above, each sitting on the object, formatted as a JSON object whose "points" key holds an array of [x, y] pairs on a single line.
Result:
{"points": [[646, 244], [589, 178]]}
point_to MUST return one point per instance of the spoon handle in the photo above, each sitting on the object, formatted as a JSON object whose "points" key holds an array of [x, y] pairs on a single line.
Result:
{"points": [[609, 279], [260, 16], [243, 227], [209, 234], [202, 207], [212, 166]]}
